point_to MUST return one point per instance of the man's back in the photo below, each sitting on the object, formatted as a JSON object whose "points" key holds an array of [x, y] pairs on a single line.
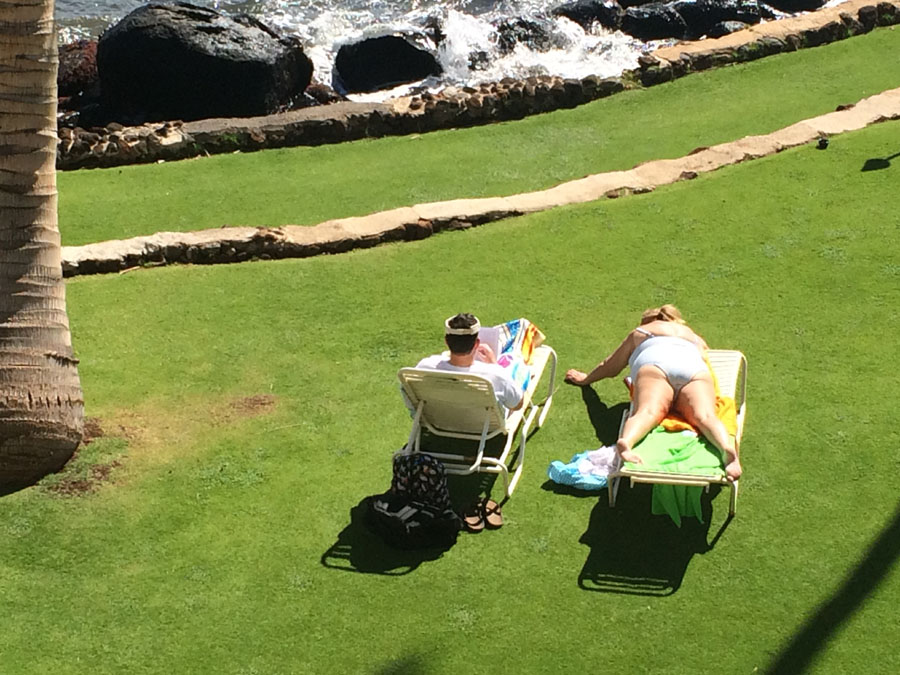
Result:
{"points": [[508, 393]]}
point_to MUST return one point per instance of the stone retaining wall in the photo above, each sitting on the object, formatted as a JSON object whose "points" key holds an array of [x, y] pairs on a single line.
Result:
{"points": [[459, 107]]}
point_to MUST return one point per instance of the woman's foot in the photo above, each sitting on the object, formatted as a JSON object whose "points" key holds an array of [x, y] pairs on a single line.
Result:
{"points": [[626, 453]]}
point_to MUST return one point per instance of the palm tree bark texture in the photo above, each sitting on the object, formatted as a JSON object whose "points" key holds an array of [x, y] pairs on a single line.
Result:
{"points": [[41, 403]]}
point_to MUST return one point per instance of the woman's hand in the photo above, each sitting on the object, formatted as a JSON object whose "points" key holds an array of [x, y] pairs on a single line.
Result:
{"points": [[576, 377]]}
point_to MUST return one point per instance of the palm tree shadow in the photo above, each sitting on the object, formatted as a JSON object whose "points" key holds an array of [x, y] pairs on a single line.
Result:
{"points": [[636, 553], [878, 163], [815, 634], [604, 419]]}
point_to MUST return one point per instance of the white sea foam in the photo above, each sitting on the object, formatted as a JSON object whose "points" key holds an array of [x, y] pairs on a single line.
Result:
{"points": [[468, 27]]}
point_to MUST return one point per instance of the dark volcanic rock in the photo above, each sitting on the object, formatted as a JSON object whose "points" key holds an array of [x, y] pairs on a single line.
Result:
{"points": [[726, 27], [701, 15], [186, 62], [322, 94], [77, 67], [767, 12], [479, 60], [793, 6], [383, 62], [607, 13], [654, 21], [535, 33]]}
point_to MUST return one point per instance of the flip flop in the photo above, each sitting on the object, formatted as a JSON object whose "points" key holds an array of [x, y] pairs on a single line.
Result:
{"points": [[493, 517], [473, 517]]}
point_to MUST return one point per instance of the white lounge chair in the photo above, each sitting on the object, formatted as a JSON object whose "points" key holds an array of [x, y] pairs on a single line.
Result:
{"points": [[730, 368], [463, 406]]}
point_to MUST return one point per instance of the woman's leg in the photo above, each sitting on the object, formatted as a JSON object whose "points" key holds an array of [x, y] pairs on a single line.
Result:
{"points": [[696, 402], [652, 400]]}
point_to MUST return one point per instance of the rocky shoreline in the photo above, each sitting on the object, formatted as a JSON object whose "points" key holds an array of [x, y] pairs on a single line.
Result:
{"points": [[117, 145]]}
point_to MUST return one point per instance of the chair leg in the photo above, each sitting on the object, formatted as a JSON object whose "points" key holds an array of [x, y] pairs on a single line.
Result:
{"points": [[732, 507], [415, 434], [508, 487], [612, 487], [519, 464], [545, 408]]}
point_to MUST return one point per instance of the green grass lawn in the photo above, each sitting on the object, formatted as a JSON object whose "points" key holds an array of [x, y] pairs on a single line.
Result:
{"points": [[309, 185], [249, 407]]}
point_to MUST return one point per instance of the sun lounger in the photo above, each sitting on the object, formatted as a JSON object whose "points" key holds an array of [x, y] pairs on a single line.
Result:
{"points": [[463, 406], [730, 369]]}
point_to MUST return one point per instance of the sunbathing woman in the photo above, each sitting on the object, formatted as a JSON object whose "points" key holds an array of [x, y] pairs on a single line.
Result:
{"points": [[668, 372]]}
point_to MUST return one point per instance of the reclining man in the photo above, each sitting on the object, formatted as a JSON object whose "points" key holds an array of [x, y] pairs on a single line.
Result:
{"points": [[469, 355], [505, 366]]}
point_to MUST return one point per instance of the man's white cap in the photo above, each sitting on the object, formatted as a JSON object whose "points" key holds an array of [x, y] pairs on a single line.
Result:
{"points": [[469, 330]]}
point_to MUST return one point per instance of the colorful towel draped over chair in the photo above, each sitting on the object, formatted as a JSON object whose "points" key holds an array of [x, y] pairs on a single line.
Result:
{"points": [[514, 343]]}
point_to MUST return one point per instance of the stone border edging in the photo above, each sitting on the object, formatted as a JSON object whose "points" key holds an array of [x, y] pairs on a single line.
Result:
{"points": [[509, 99], [229, 245]]}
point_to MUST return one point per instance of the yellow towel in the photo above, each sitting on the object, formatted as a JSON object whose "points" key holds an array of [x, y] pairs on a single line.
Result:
{"points": [[726, 410]]}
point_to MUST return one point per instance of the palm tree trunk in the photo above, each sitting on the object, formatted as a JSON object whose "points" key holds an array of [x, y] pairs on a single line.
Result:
{"points": [[41, 404]]}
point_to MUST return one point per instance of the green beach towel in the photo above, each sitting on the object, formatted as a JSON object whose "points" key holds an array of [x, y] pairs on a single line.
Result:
{"points": [[677, 452]]}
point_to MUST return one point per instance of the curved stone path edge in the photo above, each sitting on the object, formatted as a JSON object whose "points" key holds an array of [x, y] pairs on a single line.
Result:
{"points": [[237, 244]]}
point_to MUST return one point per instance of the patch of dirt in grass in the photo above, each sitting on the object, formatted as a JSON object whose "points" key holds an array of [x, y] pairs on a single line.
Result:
{"points": [[83, 475], [92, 430], [253, 406], [150, 435], [84, 482]]}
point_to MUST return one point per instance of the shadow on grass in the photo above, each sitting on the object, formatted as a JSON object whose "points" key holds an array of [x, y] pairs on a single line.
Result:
{"points": [[636, 553], [605, 419], [360, 550], [407, 665], [570, 491], [632, 551], [357, 549], [878, 163], [814, 635]]}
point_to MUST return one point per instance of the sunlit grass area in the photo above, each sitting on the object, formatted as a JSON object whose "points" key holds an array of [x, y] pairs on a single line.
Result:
{"points": [[242, 411]]}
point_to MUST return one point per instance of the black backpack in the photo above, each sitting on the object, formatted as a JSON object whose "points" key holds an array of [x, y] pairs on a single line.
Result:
{"points": [[416, 512]]}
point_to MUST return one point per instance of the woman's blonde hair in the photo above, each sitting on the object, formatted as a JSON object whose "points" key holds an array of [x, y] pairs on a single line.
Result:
{"points": [[664, 313]]}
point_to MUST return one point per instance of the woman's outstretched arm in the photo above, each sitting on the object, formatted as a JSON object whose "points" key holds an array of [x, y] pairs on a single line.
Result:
{"points": [[611, 366]]}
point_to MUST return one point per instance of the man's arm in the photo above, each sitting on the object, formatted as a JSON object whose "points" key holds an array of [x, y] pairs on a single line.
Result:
{"points": [[521, 400], [510, 393]]}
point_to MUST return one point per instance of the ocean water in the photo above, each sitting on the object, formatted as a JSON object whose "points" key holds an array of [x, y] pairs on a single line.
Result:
{"points": [[468, 26]]}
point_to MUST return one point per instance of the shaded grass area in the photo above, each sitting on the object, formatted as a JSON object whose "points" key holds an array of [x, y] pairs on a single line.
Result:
{"points": [[224, 542], [309, 185]]}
